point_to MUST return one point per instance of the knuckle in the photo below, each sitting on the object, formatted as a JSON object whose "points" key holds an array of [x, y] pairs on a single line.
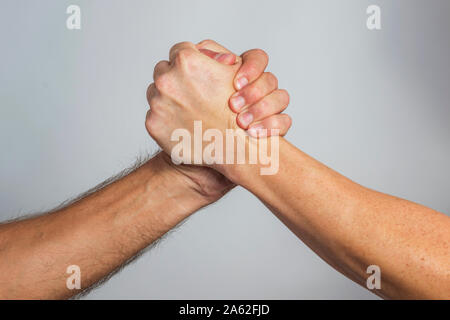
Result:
{"points": [[150, 123], [156, 120], [263, 104], [159, 64], [153, 98], [148, 118], [254, 93], [180, 45], [154, 104], [183, 57], [149, 92], [259, 110], [162, 82], [158, 67]]}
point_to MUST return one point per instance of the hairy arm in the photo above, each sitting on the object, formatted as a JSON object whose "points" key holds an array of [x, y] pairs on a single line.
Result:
{"points": [[98, 233], [352, 227], [111, 225]]}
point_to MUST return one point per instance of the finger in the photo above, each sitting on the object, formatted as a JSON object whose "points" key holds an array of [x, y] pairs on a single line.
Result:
{"points": [[160, 68], [210, 53], [225, 58], [147, 121], [212, 45], [179, 47], [254, 92], [271, 104], [277, 124], [151, 92], [254, 62]]}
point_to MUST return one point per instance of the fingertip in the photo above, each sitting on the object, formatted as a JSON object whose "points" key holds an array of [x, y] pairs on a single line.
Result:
{"points": [[287, 121], [275, 125], [283, 123], [241, 81], [254, 62], [236, 102], [226, 58], [244, 119]]}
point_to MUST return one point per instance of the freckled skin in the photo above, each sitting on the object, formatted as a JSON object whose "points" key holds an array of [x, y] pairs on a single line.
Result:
{"points": [[349, 226], [352, 227]]}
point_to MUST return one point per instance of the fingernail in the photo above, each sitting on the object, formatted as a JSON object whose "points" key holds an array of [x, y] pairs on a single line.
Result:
{"points": [[245, 119], [257, 131], [226, 58], [219, 55], [241, 82], [237, 102]]}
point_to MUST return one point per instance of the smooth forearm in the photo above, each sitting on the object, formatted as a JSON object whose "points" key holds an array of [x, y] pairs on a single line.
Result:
{"points": [[98, 233], [352, 227]]}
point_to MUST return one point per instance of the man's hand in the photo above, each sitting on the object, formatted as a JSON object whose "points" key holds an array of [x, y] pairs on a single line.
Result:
{"points": [[188, 88], [257, 108], [260, 91], [115, 223]]}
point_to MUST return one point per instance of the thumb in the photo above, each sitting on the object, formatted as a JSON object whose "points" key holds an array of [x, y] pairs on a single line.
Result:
{"points": [[224, 58]]}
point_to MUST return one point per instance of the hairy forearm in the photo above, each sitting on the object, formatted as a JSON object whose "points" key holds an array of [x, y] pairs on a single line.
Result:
{"points": [[98, 233], [352, 227]]}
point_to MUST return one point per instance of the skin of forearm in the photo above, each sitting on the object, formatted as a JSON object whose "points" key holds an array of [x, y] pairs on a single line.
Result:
{"points": [[352, 227], [98, 233]]}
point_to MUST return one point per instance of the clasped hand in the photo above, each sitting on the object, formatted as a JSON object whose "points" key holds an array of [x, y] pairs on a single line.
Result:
{"points": [[206, 87]]}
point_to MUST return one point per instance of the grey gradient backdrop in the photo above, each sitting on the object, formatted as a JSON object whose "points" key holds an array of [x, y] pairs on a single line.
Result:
{"points": [[372, 105]]}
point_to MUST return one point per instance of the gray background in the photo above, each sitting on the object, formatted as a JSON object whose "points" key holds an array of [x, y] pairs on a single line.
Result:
{"points": [[372, 105]]}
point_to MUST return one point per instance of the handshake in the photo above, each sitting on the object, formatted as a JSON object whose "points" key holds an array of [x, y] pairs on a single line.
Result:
{"points": [[216, 116], [203, 99]]}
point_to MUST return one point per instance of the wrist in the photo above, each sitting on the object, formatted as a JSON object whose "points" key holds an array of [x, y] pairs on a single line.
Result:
{"points": [[172, 181], [257, 157]]}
